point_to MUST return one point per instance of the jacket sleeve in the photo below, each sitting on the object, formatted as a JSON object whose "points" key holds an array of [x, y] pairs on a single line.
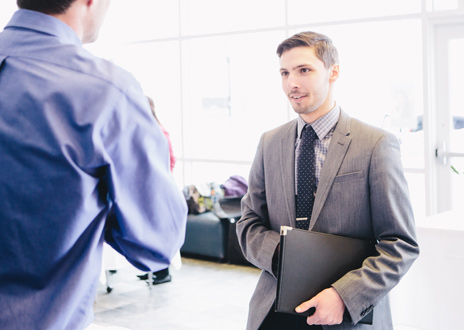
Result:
{"points": [[393, 228], [257, 240]]}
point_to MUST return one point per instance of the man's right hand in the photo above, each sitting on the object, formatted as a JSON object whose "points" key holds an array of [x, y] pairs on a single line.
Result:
{"points": [[329, 308]]}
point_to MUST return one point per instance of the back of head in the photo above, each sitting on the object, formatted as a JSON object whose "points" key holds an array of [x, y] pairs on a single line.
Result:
{"points": [[323, 46], [85, 17], [45, 6]]}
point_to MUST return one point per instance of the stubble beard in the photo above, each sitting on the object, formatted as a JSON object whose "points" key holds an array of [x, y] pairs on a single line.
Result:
{"points": [[303, 109], [315, 101]]}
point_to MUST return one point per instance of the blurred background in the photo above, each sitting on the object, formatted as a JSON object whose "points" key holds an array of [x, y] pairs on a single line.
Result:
{"points": [[211, 68]]}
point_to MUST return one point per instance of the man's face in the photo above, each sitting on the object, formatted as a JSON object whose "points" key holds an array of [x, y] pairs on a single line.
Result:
{"points": [[306, 81]]}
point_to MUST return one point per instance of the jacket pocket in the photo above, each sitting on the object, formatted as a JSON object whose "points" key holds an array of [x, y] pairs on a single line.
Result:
{"points": [[349, 176]]}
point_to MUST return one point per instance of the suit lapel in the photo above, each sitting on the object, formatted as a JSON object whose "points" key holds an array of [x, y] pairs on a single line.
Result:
{"points": [[287, 165], [335, 155]]}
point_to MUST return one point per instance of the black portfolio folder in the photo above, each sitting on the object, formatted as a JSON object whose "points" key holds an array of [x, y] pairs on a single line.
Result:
{"points": [[311, 262]]}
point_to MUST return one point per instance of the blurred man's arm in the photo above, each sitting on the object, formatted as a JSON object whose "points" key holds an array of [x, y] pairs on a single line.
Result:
{"points": [[149, 211]]}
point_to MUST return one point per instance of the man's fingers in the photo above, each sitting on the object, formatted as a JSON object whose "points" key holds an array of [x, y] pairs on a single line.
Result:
{"points": [[305, 306], [330, 308]]}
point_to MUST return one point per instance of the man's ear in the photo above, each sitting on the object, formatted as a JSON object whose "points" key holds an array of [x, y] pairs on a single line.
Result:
{"points": [[334, 73], [84, 3]]}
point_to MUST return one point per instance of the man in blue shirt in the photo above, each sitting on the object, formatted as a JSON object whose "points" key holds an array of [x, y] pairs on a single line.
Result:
{"points": [[82, 162]]}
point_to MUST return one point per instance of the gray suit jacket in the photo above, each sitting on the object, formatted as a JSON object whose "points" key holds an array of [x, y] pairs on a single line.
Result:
{"points": [[362, 193]]}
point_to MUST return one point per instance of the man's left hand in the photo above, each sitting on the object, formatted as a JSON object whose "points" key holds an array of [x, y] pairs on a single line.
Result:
{"points": [[329, 308]]}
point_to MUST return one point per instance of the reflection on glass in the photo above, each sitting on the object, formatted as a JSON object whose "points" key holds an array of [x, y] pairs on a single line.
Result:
{"points": [[456, 102]]}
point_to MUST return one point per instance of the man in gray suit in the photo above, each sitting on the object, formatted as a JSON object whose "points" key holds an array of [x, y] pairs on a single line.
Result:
{"points": [[361, 193]]}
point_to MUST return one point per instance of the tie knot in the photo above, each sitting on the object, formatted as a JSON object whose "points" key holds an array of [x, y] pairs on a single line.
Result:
{"points": [[308, 133]]}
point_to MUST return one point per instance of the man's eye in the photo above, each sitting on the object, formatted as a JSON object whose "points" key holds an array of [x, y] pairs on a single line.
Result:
{"points": [[284, 73], [305, 70]]}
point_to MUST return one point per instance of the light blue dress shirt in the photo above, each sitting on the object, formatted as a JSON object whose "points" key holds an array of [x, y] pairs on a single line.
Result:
{"points": [[82, 160]]}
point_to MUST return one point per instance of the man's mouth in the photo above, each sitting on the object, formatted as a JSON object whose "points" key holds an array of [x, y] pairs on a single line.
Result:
{"points": [[297, 97]]}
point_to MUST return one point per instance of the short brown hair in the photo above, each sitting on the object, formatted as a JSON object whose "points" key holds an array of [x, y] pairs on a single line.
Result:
{"points": [[45, 6], [325, 50]]}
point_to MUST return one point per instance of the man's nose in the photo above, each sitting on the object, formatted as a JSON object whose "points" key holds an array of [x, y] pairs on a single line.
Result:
{"points": [[292, 82]]}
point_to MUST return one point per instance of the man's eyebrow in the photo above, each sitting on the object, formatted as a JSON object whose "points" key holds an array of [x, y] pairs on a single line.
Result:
{"points": [[298, 67], [302, 66]]}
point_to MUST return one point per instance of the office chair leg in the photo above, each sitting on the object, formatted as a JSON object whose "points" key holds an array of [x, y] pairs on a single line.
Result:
{"points": [[150, 280], [107, 276]]}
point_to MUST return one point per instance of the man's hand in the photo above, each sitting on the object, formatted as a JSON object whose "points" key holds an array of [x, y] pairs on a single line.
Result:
{"points": [[329, 308]]}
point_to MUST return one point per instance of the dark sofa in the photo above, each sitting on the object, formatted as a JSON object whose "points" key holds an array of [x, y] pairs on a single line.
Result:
{"points": [[212, 235]]}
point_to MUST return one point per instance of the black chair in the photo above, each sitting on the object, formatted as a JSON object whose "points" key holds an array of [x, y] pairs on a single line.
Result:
{"points": [[212, 235]]}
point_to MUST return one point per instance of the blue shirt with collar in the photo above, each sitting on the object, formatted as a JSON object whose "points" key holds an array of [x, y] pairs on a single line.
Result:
{"points": [[82, 162]]}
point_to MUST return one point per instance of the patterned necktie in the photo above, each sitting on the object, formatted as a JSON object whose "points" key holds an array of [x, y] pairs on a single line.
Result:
{"points": [[306, 178]]}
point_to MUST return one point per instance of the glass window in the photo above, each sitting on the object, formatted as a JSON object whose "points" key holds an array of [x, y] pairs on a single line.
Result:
{"points": [[381, 83], [438, 5], [314, 11], [178, 173], [381, 78], [232, 94], [156, 67], [456, 103], [212, 16], [416, 183], [6, 11], [140, 20], [205, 172]]}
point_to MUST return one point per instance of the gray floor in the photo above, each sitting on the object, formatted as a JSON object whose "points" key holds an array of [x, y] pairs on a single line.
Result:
{"points": [[202, 295]]}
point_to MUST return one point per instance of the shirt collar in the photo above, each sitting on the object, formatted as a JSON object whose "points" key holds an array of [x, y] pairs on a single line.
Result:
{"points": [[34, 20], [322, 125]]}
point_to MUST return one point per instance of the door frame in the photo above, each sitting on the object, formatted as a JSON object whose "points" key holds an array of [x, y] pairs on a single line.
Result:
{"points": [[437, 121]]}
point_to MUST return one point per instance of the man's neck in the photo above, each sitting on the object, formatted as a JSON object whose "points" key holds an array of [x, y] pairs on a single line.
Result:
{"points": [[73, 18], [318, 113]]}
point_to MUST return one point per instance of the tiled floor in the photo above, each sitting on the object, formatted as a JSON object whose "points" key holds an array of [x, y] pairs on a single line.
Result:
{"points": [[202, 295]]}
